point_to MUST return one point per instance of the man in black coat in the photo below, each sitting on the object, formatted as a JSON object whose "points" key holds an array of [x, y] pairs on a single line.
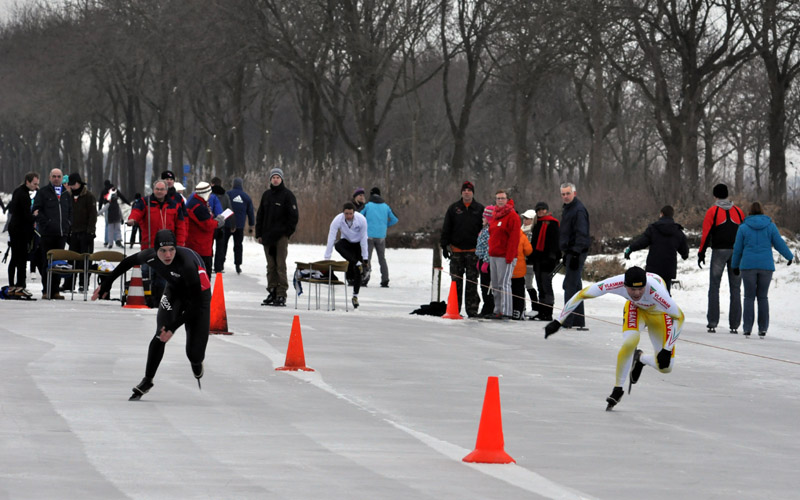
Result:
{"points": [[462, 224], [276, 221], [574, 242], [666, 239], [52, 208], [20, 231]]}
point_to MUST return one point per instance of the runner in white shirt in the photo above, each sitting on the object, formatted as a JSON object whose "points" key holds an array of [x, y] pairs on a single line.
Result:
{"points": [[352, 245], [648, 303]]}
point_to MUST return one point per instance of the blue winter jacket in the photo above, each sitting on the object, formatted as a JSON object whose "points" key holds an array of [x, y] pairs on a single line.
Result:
{"points": [[379, 217], [754, 241], [242, 204]]}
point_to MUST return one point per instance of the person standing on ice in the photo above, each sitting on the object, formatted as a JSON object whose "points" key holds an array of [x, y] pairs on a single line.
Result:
{"points": [[720, 226], [647, 304], [352, 245], [186, 301], [462, 224]]}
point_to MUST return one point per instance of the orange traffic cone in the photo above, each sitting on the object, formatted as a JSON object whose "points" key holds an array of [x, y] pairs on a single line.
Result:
{"points": [[295, 359], [219, 317], [452, 303], [489, 446], [135, 298]]}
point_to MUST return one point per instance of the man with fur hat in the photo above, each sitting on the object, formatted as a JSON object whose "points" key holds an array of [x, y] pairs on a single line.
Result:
{"points": [[276, 221], [647, 304], [202, 224], [462, 224], [84, 222], [720, 225]]}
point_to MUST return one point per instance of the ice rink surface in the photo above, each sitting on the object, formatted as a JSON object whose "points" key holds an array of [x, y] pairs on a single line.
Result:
{"points": [[394, 403]]}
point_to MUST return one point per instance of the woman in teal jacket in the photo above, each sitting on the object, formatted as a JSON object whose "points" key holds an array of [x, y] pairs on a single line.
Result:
{"points": [[752, 254]]}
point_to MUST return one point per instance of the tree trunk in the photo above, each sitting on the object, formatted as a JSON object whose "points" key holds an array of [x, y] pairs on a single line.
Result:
{"points": [[777, 134]]}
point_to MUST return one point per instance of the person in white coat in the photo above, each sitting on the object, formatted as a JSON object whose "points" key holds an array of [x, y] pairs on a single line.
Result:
{"points": [[352, 245]]}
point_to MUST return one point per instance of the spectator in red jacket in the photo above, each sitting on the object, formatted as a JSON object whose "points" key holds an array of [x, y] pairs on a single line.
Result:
{"points": [[161, 213], [202, 224], [719, 233], [152, 214], [504, 232]]}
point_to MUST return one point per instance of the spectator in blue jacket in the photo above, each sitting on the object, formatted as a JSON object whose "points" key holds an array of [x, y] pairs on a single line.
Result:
{"points": [[752, 256], [243, 212], [379, 218]]}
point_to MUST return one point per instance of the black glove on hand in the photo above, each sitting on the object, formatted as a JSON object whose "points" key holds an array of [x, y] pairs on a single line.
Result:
{"points": [[575, 262], [735, 271], [445, 252], [701, 259], [551, 328], [663, 358], [789, 262]]}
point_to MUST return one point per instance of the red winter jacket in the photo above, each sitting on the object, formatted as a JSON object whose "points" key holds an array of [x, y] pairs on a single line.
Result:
{"points": [[163, 215], [504, 233], [201, 226]]}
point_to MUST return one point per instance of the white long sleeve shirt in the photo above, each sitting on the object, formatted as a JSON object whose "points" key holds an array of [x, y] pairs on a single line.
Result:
{"points": [[354, 233]]}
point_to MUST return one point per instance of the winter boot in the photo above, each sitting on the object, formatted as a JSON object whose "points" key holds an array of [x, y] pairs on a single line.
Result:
{"points": [[270, 298], [279, 302], [614, 398], [355, 302], [140, 390], [238, 269]]}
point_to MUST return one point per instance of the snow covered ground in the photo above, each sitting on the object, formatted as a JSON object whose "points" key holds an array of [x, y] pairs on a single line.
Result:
{"points": [[394, 403]]}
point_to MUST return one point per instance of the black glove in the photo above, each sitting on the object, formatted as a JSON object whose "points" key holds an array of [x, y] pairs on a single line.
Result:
{"points": [[445, 252], [735, 271], [551, 328], [789, 262], [575, 262], [701, 259], [663, 358], [627, 253]]}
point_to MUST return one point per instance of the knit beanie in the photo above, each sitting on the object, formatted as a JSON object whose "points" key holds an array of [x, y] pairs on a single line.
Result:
{"points": [[164, 238], [358, 191], [635, 277], [720, 191], [203, 190], [468, 185], [276, 171], [488, 212], [375, 190]]}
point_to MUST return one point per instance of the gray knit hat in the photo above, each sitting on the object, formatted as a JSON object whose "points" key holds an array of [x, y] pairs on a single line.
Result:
{"points": [[276, 171]]}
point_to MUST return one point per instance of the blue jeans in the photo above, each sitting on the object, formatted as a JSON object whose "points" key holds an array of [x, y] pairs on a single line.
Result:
{"points": [[756, 286], [720, 258], [572, 285]]}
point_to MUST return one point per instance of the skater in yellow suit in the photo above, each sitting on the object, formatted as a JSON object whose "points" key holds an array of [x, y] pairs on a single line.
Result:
{"points": [[648, 303]]}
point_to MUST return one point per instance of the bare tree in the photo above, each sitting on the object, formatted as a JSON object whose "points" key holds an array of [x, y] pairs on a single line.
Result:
{"points": [[680, 55], [469, 25], [773, 26]]}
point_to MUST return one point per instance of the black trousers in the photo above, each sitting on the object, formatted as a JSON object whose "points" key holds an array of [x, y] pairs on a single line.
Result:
{"points": [[171, 309], [221, 237], [351, 252], [19, 259], [238, 238]]}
